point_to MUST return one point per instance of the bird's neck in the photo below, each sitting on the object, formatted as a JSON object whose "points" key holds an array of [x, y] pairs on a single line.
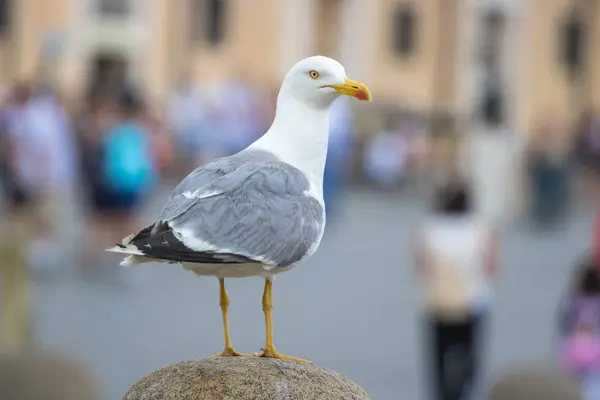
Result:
{"points": [[299, 136]]}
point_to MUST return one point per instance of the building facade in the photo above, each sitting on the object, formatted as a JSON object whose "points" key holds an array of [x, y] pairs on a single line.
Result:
{"points": [[430, 57]]}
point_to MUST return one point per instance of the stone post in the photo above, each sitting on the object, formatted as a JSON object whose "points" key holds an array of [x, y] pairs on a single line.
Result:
{"points": [[245, 378]]}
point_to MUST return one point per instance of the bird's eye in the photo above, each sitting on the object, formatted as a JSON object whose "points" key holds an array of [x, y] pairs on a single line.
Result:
{"points": [[313, 74]]}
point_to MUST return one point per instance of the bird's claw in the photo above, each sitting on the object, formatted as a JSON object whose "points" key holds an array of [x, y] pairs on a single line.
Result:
{"points": [[230, 352], [273, 353]]}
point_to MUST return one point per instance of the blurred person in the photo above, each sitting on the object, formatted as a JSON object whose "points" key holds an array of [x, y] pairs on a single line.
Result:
{"points": [[535, 384], [385, 157], [596, 239], [4, 142], [92, 123], [20, 220], [163, 149], [587, 155], [581, 357], [46, 120], [186, 115], [417, 150], [127, 172], [341, 135], [19, 150], [241, 120], [548, 161], [580, 328], [211, 139], [587, 151], [456, 256]]}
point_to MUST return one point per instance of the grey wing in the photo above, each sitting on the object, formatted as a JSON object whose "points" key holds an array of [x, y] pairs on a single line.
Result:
{"points": [[198, 180], [178, 201], [260, 212]]}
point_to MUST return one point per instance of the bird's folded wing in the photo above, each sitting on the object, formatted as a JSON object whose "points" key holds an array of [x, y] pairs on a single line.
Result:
{"points": [[260, 212]]}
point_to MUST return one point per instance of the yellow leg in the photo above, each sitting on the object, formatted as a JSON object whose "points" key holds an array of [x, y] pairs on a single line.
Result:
{"points": [[229, 351], [269, 351]]}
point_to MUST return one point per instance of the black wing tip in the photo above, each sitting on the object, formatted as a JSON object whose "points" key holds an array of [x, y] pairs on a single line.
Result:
{"points": [[164, 245], [150, 230]]}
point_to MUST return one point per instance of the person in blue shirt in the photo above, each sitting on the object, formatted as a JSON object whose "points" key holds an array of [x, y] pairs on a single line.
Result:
{"points": [[125, 174]]}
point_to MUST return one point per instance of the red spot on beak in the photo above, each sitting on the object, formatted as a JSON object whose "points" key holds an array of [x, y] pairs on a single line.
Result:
{"points": [[362, 95]]}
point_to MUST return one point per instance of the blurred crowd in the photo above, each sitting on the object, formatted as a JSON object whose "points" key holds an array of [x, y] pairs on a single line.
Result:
{"points": [[559, 159], [59, 160]]}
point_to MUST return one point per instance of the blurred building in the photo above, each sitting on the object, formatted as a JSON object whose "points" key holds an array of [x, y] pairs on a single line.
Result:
{"points": [[500, 61], [539, 58]]}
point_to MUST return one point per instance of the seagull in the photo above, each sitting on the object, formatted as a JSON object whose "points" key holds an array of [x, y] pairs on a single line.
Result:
{"points": [[258, 212]]}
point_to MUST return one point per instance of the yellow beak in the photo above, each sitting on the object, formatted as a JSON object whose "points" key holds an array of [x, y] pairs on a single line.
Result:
{"points": [[354, 89]]}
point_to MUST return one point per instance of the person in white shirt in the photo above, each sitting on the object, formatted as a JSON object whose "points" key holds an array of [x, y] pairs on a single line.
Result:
{"points": [[456, 257], [20, 221], [50, 171], [48, 122], [25, 155]]}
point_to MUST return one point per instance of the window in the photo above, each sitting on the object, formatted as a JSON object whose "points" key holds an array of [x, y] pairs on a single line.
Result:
{"points": [[5, 10], [114, 7], [492, 41], [108, 74], [327, 26], [404, 31], [215, 23], [572, 43], [208, 21], [492, 48], [492, 106]]}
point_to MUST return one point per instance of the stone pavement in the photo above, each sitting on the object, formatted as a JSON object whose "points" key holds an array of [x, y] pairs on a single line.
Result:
{"points": [[352, 308]]}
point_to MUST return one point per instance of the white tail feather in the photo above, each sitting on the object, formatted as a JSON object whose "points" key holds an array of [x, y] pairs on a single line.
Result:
{"points": [[125, 250], [134, 255], [131, 261]]}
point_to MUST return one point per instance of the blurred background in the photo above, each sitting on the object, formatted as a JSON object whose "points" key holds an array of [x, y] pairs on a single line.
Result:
{"points": [[496, 100]]}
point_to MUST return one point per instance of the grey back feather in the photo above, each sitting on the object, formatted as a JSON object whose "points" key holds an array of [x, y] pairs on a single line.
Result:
{"points": [[250, 204]]}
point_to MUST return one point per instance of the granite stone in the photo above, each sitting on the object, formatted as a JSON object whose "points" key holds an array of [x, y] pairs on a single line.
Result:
{"points": [[242, 378]]}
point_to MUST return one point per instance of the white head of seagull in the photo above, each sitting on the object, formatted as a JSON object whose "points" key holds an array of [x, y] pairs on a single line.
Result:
{"points": [[300, 130], [317, 81]]}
